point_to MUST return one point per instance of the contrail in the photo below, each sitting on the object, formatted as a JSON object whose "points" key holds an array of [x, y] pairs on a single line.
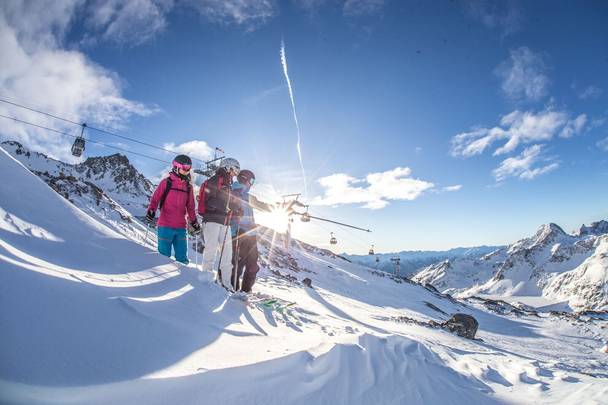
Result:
{"points": [[295, 116]]}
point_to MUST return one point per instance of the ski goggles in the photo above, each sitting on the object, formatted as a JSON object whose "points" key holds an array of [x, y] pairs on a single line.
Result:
{"points": [[181, 166]]}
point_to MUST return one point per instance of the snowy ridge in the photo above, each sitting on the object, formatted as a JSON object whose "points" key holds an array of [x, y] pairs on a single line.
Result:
{"points": [[415, 260], [117, 323], [525, 268]]}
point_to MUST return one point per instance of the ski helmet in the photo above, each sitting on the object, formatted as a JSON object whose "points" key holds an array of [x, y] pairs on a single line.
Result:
{"points": [[182, 162], [246, 176], [231, 164]]}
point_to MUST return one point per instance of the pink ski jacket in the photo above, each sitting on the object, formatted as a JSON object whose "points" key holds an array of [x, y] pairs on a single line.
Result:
{"points": [[179, 202]]}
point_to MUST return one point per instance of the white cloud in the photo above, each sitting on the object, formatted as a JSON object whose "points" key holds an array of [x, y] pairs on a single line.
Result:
{"points": [[524, 75], [502, 15], [247, 13], [195, 149], [591, 92], [358, 8], [528, 165], [126, 22], [36, 69], [574, 127], [518, 127], [375, 191], [455, 187], [603, 144]]}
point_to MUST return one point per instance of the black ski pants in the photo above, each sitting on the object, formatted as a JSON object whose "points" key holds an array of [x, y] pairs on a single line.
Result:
{"points": [[245, 257]]}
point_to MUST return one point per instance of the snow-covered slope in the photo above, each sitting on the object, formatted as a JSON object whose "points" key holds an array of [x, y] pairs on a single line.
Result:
{"points": [[90, 317], [524, 268], [108, 188], [412, 261]]}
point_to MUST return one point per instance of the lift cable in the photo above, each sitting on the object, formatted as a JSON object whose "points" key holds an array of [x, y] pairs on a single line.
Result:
{"points": [[104, 131], [88, 140]]}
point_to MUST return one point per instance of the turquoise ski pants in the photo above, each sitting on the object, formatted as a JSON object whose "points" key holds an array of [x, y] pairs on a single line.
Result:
{"points": [[176, 238]]}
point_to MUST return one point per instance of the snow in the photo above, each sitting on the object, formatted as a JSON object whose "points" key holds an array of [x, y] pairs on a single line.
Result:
{"points": [[89, 315]]}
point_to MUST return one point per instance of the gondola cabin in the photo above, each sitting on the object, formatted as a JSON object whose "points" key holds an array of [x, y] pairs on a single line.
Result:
{"points": [[79, 143], [333, 240], [78, 146]]}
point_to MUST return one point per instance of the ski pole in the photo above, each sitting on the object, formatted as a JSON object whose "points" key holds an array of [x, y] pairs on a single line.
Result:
{"points": [[196, 251], [146, 237], [236, 256], [219, 263]]}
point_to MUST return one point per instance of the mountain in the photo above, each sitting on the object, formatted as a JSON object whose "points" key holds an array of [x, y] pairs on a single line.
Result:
{"points": [[587, 285], [412, 261], [89, 316], [107, 187], [524, 268]]}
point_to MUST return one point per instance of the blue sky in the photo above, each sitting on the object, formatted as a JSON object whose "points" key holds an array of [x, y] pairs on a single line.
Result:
{"points": [[435, 124]]}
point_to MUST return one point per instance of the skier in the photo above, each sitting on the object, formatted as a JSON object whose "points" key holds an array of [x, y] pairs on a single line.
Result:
{"points": [[215, 206], [245, 244], [175, 198]]}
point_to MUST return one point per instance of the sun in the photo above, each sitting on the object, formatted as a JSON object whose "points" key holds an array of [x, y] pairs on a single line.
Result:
{"points": [[277, 219]]}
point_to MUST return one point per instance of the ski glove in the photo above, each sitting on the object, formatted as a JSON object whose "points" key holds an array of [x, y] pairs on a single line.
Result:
{"points": [[196, 228], [150, 216]]}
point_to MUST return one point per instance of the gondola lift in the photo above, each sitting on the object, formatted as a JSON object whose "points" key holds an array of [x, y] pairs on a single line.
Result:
{"points": [[371, 251], [79, 143], [305, 217], [333, 240]]}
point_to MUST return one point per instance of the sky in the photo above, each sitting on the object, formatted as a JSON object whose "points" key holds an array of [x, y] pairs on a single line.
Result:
{"points": [[436, 124]]}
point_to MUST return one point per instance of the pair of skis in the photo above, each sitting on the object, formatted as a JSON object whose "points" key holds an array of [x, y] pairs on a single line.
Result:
{"points": [[264, 302]]}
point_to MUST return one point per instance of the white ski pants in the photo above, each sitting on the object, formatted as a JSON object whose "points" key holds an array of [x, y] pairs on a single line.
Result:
{"points": [[216, 235]]}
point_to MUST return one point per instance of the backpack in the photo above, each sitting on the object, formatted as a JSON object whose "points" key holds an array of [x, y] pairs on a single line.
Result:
{"points": [[168, 188]]}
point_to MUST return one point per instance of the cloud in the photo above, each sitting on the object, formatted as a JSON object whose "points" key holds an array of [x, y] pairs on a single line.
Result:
{"points": [[603, 144], [126, 22], [524, 75], [591, 92], [528, 165], [502, 15], [455, 187], [247, 13], [375, 191], [574, 127], [37, 70], [360, 8], [515, 128], [195, 149]]}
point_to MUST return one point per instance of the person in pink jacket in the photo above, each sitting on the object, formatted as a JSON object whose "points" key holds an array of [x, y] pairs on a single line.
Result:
{"points": [[175, 198]]}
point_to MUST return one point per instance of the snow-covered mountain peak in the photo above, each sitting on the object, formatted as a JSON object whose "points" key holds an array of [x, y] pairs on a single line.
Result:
{"points": [[596, 228], [117, 172]]}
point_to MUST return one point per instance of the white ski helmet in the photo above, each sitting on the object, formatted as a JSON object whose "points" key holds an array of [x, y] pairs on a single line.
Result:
{"points": [[230, 163]]}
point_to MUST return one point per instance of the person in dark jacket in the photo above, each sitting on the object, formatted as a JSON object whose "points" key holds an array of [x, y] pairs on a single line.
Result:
{"points": [[215, 204], [175, 197], [245, 243]]}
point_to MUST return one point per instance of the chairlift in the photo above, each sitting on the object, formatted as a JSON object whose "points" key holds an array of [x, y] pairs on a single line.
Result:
{"points": [[371, 251], [79, 143], [333, 240]]}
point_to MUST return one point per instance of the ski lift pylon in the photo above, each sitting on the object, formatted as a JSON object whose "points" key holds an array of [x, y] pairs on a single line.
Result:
{"points": [[332, 239], [79, 143]]}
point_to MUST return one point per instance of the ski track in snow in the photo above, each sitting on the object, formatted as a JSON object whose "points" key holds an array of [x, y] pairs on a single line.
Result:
{"points": [[90, 316]]}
